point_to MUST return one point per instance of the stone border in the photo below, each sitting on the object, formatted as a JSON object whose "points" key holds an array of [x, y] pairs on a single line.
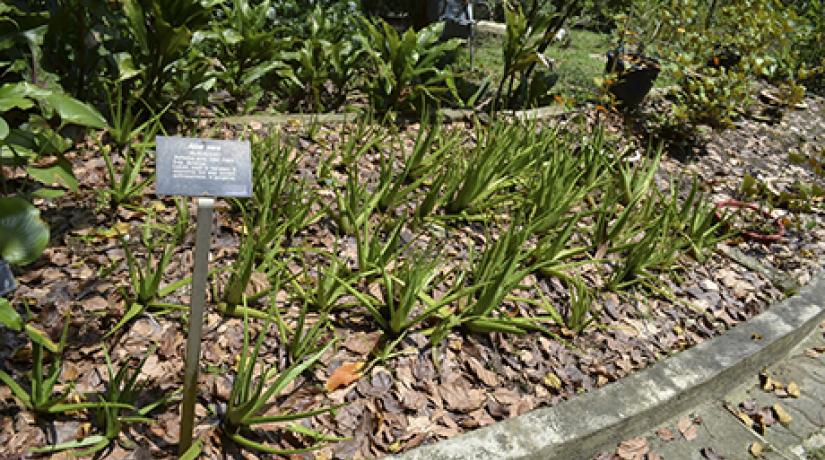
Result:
{"points": [[596, 421], [449, 115], [491, 27]]}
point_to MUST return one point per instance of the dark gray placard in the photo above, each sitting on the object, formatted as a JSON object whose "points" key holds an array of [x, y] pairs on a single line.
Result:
{"points": [[203, 167], [7, 282]]}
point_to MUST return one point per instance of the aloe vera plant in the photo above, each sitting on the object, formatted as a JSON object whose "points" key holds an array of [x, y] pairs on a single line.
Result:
{"points": [[430, 148], [132, 140], [502, 154], [145, 276], [121, 394], [252, 394], [500, 269], [698, 224], [579, 312], [42, 396], [406, 300], [325, 289]]}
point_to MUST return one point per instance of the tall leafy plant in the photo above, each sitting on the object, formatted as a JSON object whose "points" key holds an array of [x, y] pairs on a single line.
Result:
{"points": [[405, 68]]}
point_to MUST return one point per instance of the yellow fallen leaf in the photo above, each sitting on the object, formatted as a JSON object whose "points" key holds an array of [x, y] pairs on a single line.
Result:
{"points": [[553, 381], [781, 414], [745, 418], [793, 389], [344, 375], [756, 449]]}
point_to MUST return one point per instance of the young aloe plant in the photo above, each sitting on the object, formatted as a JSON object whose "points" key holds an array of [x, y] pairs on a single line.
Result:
{"points": [[303, 338], [500, 269], [253, 391], [325, 290], [121, 394], [41, 396], [698, 224], [502, 155], [128, 181], [260, 245], [373, 251], [579, 314], [145, 277], [634, 181], [355, 205], [122, 387], [431, 146], [280, 198], [405, 300]]}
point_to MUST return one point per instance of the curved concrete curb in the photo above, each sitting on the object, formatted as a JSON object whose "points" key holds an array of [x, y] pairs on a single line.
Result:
{"points": [[491, 27], [448, 115], [596, 421]]}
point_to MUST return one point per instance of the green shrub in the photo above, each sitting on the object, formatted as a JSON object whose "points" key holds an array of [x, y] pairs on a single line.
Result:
{"points": [[405, 70]]}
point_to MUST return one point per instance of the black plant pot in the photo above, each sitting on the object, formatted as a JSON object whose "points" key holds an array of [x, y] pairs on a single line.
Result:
{"points": [[635, 76], [724, 57]]}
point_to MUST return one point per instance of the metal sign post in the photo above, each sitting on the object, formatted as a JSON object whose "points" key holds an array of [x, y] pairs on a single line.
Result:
{"points": [[203, 169], [193, 340]]}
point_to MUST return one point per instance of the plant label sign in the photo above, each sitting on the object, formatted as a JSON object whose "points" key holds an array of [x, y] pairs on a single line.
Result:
{"points": [[203, 167], [7, 283]]}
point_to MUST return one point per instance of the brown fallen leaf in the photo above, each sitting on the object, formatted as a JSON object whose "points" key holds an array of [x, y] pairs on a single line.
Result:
{"points": [[793, 390], [687, 428], [460, 398], [665, 434], [756, 449], [633, 449], [486, 376], [781, 414], [344, 375], [362, 343]]}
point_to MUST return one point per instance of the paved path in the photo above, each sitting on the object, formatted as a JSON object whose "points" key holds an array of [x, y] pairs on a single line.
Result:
{"points": [[720, 433]]}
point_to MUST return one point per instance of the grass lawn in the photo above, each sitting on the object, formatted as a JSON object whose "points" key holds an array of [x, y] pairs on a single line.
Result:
{"points": [[577, 64]]}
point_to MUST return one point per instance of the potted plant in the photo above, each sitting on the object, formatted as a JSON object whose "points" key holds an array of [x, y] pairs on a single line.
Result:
{"points": [[635, 74]]}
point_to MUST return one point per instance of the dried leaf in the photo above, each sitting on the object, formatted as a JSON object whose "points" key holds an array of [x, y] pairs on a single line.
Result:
{"points": [[756, 449], [344, 375], [781, 414], [793, 390], [687, 428], [487, 376], [551, 380], [745, 418], [461, 399], [633, 449], [362, 343], [665, 434]]}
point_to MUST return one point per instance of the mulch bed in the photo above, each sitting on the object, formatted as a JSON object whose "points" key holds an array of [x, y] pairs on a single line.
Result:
{"points": [[419, 395]]}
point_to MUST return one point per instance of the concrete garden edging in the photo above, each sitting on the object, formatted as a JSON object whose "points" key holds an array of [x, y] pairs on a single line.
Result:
{"points": [[596, 421], [448, 115]]}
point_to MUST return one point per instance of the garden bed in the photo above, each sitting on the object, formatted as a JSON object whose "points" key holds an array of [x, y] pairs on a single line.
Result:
{"points": [[418, 393]]}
